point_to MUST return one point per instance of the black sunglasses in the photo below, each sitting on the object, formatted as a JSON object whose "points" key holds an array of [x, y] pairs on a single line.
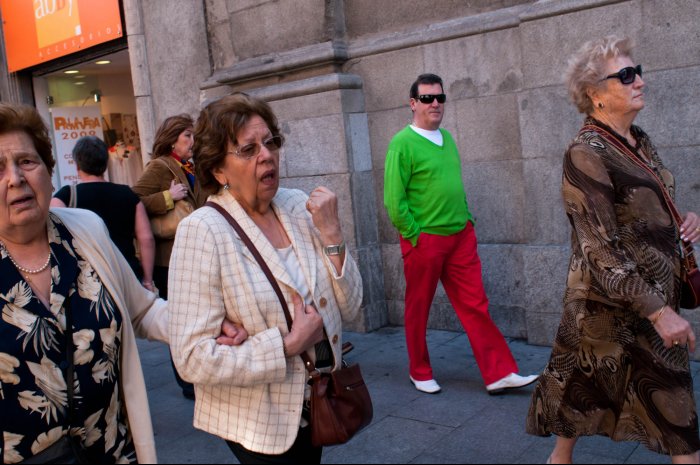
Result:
{"points": [[627, 75], [428, 98]]}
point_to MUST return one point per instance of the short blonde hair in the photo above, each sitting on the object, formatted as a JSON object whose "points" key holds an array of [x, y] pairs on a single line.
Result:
{"points": [[587, 68]]}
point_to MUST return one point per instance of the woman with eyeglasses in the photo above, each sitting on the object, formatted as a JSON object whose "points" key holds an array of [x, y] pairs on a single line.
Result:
{"points": [[620, 362], [255, 395]]}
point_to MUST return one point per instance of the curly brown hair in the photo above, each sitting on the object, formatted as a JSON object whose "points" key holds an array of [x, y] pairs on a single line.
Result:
{"points": [[16, 117], [217, 125], [168, 132]]}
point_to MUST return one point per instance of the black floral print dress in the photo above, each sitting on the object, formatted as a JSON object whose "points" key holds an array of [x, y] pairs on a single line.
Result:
{"points": [[609, 372], [33, 395]]}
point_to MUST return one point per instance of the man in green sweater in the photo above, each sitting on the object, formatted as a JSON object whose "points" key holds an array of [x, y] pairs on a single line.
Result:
{"points": [[426, 202]]}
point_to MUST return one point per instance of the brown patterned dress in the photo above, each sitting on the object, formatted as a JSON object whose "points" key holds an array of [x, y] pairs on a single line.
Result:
{"points": [[609, 372]]}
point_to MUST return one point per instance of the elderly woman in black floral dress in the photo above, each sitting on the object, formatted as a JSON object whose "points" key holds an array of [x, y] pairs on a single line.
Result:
{"points": [[56, 266], [620, 362]]}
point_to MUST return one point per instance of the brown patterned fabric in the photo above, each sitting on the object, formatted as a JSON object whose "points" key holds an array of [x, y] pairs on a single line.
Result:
{"points": [[609, 372]]}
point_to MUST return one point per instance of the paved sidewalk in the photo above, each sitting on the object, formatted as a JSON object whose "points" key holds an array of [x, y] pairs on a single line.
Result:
{"points": [[460, 425]]}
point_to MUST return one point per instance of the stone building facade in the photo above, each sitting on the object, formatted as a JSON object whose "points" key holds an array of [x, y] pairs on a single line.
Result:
{"points": [[337, 72]]}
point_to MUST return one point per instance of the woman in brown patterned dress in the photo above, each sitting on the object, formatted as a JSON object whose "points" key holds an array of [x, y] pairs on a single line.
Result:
{"points": [[620, 362]]}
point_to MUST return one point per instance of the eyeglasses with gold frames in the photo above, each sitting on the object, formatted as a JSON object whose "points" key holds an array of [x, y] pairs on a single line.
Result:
{"points": [[249, 151]]}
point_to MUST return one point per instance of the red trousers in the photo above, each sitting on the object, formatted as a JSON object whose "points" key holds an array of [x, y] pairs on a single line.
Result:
{"points": [[454, 261]]}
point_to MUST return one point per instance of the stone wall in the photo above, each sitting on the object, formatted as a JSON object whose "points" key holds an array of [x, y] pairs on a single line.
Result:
{"points": [[338, 72]]}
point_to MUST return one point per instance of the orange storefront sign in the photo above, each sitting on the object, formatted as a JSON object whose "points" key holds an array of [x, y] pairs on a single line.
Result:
{"points": [[37, 31]]}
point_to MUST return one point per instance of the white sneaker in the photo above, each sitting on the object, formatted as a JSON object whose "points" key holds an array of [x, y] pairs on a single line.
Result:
{"points": [[512, 381], [431, 386]]}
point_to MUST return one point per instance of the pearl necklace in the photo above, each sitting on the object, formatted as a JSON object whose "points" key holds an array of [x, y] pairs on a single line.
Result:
{"points": [[27, 270]]}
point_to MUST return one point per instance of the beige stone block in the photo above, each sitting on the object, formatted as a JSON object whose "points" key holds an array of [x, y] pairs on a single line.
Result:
{"points": [[496, 199], [147, 128], [217, 11], [388, 77], [314, 105], [365, 207], [548, 43], [548, 122], [545, 217], [545, 270], [221, 46], [502, 274], [383, 125], [307, 25], [683, 163], [395, 310], [488, 128], [670, 36], [357, 140], [138, 60], [672, 110], [477, 65], [176, 63], [396, 16], [133, 17], [315, 146], [394, 281]]}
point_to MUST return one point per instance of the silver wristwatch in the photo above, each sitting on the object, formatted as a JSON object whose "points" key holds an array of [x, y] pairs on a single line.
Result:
{"points": [[331, 250]]}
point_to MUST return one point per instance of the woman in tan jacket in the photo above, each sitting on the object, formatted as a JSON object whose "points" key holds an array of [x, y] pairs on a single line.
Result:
{"points": [[169, 178]]}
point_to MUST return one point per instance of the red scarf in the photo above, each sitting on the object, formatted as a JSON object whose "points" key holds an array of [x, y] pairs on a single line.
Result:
{"points": [[187, 167]]}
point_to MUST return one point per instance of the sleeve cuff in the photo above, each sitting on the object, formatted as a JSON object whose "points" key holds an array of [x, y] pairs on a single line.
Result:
{"points": [[169, 202], [648, 305], [331, 267]]}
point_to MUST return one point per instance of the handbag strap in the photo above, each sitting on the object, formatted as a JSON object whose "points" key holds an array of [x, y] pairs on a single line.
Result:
{"points": [[308, 363], [688, 252]]}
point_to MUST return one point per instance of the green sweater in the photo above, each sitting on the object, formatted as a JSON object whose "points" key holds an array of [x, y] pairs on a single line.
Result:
{"points": [[423, 189]]}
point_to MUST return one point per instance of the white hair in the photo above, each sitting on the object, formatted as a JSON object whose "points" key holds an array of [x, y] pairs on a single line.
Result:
{"points": [[587, 68]]}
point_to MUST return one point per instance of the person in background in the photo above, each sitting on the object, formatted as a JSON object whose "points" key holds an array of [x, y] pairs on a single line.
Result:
{"points": [[620, 364], [117, 205], [426, 202], [255, 395], [169, 178]]}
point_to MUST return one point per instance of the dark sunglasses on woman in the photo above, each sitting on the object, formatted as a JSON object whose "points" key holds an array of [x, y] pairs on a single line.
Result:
{"points": [[627, 75]]}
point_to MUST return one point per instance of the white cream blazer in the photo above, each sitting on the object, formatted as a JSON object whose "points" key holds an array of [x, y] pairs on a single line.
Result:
{"points": [[250, 394], [142, 311]]}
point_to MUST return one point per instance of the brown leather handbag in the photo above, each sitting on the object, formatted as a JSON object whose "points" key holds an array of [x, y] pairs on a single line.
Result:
{"points": [[340, 401], [340, 406], [164, 226], [690, 279]]}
